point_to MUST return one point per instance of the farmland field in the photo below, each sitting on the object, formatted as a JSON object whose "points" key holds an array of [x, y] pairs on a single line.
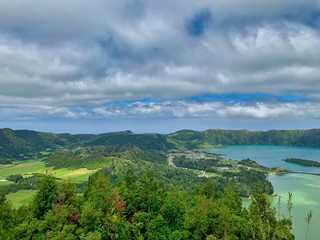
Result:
{"points": [[4, 182], [27, 169], [21, 197]]}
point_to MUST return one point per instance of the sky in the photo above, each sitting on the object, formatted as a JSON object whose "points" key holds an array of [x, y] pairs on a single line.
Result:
{"points": [[96, 66]]}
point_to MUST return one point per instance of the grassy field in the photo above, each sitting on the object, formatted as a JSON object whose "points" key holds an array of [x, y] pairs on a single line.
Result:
{"points": [[4, 182], [75, 175], [21, 197], [27, 169]]}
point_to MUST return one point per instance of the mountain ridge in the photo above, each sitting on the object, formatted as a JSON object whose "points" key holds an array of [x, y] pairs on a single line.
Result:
{"points": [[24, 144]]}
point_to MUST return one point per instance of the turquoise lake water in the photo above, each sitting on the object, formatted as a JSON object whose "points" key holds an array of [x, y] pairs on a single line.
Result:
{"points": [[305, 188]]}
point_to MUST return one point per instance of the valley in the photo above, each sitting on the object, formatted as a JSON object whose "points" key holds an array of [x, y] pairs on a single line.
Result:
{"points": [[176, 159]]}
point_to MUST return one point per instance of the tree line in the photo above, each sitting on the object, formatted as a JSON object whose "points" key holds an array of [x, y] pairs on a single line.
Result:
{"points": [[138, 206]]}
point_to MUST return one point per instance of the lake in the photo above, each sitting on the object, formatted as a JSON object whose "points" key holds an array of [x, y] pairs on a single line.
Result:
{"points": [[305, 188]]}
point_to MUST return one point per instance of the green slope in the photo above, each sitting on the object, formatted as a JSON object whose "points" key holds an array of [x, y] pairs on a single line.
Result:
{"points": [[153, 142], [196, 139], [25, 144]]}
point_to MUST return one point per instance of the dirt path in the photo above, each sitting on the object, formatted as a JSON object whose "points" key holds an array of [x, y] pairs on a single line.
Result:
{"points": [[170, 160]]}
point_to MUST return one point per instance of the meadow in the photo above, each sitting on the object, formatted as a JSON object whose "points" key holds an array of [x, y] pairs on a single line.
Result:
{"points": [[31, 167]]}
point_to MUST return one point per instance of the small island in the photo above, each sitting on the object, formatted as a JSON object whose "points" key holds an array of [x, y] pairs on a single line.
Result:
{"points": [[303, 162]]}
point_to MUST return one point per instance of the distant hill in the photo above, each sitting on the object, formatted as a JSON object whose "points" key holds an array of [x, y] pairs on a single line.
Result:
{"points": [[25, 144], [306, 138], [151, 142]]}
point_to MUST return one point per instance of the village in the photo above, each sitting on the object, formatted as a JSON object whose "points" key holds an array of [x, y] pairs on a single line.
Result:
{"points": [[206, 163]]}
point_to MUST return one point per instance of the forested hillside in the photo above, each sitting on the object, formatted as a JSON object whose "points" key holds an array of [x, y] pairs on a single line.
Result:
{"points": [[152, 142], [96, 157], [196, 139], [25, 144], [138, 206]]}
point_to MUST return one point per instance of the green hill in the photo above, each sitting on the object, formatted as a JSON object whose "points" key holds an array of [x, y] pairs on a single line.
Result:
{"points": [[196, 139], [25, 144], [152, 142], [97, 157]]}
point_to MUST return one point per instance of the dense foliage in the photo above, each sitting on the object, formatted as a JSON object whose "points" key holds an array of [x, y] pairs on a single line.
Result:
{"points": [[207, 165], [150, 142], [138, 206], [96, 157], [20, 183], [15, 178], [248, 181], [307, 138], [25, 144], [303, 162]]}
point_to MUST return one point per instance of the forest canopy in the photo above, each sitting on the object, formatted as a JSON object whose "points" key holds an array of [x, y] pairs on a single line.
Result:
{"points": [[140, 207]]}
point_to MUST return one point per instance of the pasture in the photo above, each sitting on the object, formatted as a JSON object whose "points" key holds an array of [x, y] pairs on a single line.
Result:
{"points": [[28, 168], [21, 197]]}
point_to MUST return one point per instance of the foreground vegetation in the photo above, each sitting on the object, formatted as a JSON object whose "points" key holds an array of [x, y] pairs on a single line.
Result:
{"points": [[138, 206]]}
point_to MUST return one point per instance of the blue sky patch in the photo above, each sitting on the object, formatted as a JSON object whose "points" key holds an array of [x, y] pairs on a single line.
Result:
{"points": [[314, 18], [225, 98], [197, 25], [246, 98], [292, 98]]}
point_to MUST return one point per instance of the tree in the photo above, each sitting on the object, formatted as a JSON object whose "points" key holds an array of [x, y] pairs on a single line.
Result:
{"points": [[263, 222], [200, 216], [232, 200], [66, 193], [98, 190], [209, 189], [46, 195], [15, 178], [6, 218], [151, 193], [174, 208], [158, 229]]}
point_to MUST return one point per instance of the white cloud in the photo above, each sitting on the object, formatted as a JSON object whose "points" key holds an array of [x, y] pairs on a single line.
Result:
{"points": [[59, 56], [220, 110]]}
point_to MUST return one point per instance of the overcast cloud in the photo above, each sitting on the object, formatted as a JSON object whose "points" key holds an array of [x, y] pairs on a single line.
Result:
{"points": [[139, 59]]}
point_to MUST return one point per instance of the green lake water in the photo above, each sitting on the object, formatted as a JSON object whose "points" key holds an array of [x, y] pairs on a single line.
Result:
{"points": [[305, 188], [305, 196]]}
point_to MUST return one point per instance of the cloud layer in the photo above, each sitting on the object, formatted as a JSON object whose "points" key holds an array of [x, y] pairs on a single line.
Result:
{"points": [[102, 59]]}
